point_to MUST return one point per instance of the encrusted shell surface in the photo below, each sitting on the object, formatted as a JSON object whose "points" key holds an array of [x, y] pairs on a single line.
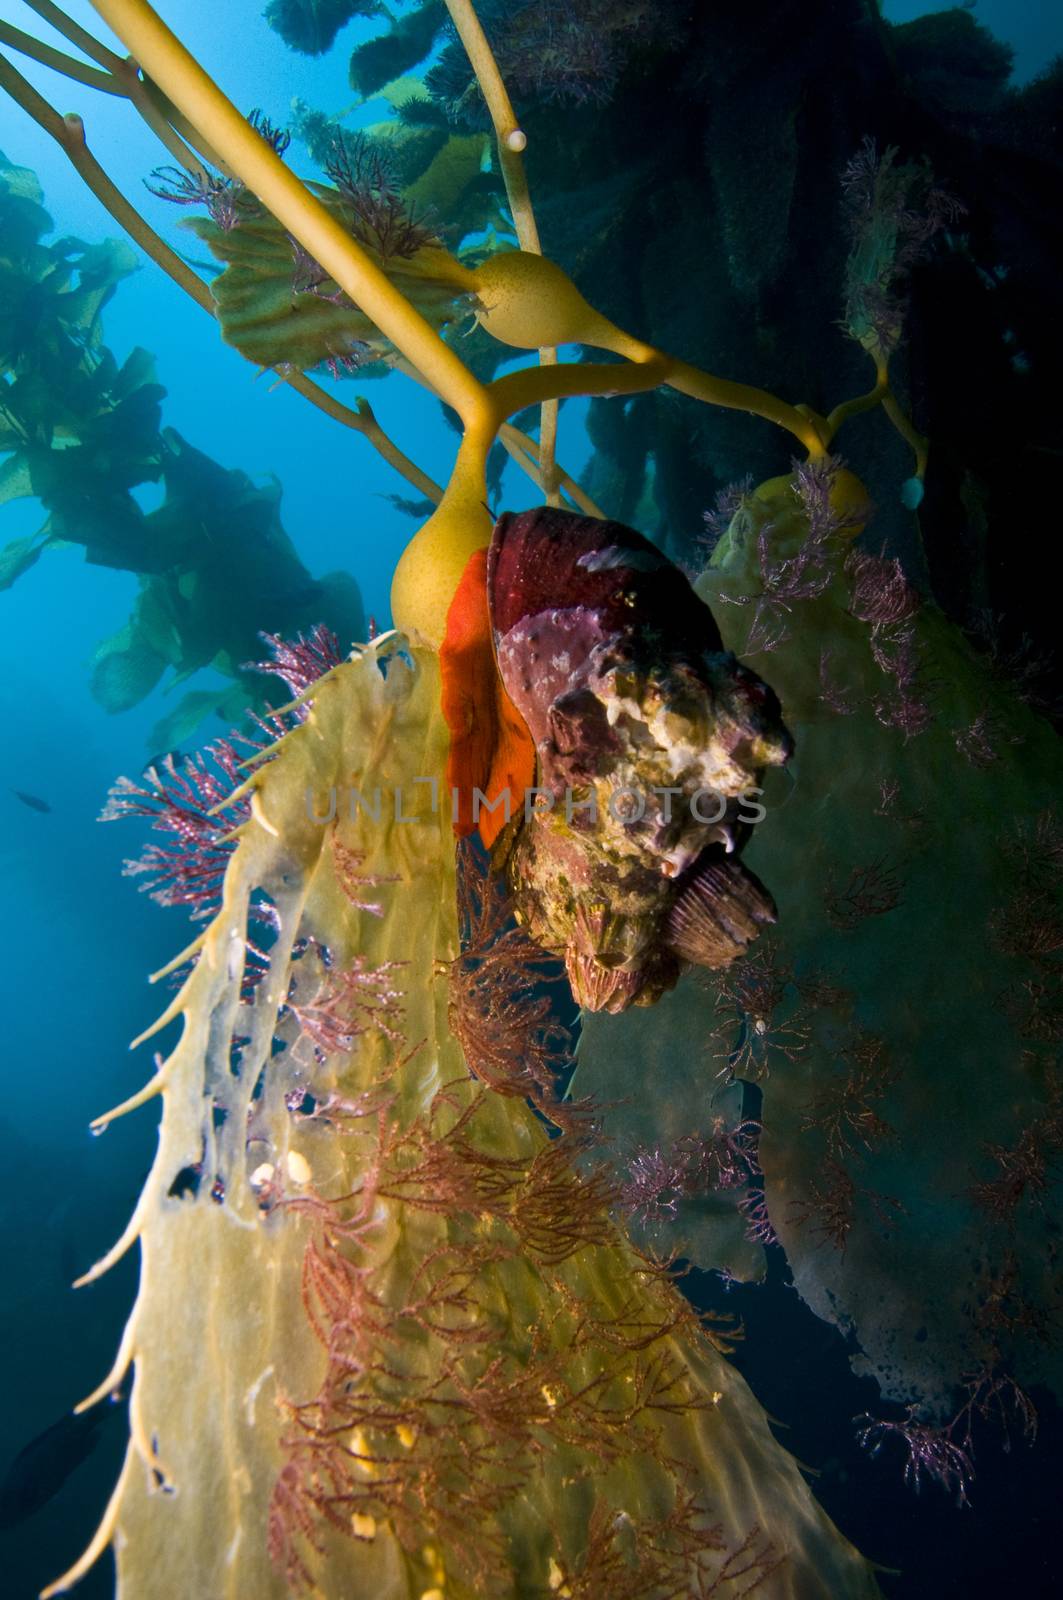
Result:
{"points": [[648, 734]]}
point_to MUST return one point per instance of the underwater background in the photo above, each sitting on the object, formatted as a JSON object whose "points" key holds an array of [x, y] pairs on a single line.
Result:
{"points": [[637, 211]]}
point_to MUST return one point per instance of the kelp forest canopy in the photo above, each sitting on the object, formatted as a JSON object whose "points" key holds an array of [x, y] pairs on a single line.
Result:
{"points": [[736, 192], [80, 434], [685, 163], [803, 266]]}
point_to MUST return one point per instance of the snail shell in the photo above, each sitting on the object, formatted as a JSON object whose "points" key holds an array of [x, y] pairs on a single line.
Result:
{"points": [[638, 716]]}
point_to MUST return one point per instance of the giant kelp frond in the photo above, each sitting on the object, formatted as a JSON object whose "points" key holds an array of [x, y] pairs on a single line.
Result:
{"points": [[893, 210], [388, 1338], [408, 39], [559, 53], [311, 25], [279, 307], [82, 432], [275, 302], [188, 803], [866, 1019]]}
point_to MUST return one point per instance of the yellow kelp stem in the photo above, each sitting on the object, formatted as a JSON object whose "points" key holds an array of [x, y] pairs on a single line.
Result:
{"points": [[511, 142], [69, 133], [181, 77]]}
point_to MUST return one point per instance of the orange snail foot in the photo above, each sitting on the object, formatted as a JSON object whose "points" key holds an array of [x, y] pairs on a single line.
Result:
{"points": [[490, 747]]}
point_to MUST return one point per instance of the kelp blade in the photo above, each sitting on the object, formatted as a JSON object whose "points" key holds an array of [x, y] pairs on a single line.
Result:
{"points": [[430, 1362]]}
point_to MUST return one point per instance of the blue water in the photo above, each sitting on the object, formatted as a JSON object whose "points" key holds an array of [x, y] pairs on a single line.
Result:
{"points": [[79, 940], [1031, 27]]}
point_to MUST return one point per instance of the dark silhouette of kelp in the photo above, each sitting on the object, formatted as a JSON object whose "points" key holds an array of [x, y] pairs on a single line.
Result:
{"points": [[81, 434]]}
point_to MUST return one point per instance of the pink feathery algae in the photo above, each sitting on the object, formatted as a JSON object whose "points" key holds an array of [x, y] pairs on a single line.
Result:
{"points": [[717, 521], [930, 1454], [555, 52], [1029, 925], [881, 594], [354, 881], [381, 1442], [759, 1227], [869, 891], [657, 1179], [1017, 663], [655, 1182], [843, 1107], [833, 692], [981, 740], [759, 1024], [683, 1554], [269, 132], [188, 800], [193, 800], [226, 200], [373, 206], [893, 212], [499, 1004], [1025, 1168], [301, 661], [332, 1008], [828, 1205], [943, 1453], [795, 552]]}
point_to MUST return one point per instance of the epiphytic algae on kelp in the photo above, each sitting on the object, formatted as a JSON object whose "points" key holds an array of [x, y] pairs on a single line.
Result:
{"points": [[280, 307], [917, 952], [649, 735], [914, 972], [389, 1342]]}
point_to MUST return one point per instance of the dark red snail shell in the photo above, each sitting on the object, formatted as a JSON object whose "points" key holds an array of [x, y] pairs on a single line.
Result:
{"points": [[647, 734]]}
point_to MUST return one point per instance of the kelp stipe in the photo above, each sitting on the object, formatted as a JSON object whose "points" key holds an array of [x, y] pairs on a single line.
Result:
{"points": [[393, 1344]]}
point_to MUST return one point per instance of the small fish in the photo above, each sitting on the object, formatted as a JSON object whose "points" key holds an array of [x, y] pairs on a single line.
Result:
{"points": [[40, 1470], [34, 801]]}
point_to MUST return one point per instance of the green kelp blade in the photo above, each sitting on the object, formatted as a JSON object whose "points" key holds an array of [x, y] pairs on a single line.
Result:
{"points": [[16, 483], [392, 1336], [22, 214], [228, 704], [662, 1083], [19, 555], [457, 184], [910, 1004], [378, 62], [312, 25], [271, 317], [124, 669]]}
